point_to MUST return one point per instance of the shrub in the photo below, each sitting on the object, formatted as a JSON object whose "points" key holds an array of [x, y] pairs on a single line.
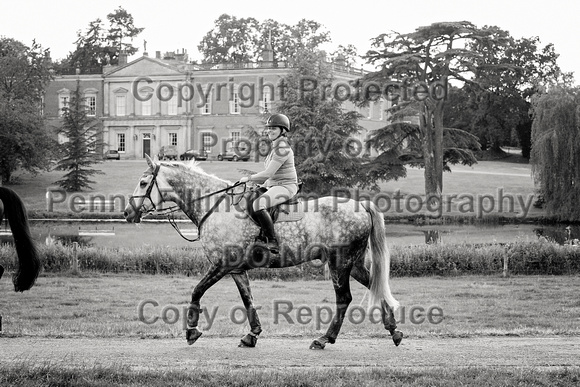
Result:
{"points": [[539, 257]]}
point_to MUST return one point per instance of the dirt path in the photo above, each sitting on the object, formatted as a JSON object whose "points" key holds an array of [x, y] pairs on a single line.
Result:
{"points": [[222, 353]]}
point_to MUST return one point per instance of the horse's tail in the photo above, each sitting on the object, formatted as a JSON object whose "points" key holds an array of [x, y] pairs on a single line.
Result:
{"points": [[380, 260], [28, 261]]}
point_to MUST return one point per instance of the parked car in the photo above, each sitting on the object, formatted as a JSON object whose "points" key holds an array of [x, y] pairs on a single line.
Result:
{"points": [[112, 154], [193, 154], [168, 152], [235, 154]]}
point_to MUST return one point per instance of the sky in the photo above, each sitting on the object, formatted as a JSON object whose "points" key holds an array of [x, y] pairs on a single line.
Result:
{"points": [[175, 25]]}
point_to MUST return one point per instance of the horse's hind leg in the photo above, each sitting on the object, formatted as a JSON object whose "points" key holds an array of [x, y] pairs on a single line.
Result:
{"points": [[209, 279], [361, 274], [243, 284], [340, 279]]}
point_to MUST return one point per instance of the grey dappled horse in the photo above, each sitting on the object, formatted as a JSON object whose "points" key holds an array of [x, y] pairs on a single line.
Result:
{"points": [[349, 235]]}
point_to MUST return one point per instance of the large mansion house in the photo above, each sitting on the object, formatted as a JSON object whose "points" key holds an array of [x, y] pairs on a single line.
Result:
{"points": [[152, 102]]}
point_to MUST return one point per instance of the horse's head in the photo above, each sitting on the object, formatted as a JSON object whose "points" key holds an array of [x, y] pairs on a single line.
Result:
{"points": [[150, 194]]}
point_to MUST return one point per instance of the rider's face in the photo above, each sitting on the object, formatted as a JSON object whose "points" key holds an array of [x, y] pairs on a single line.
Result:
{"points": [[273, 132]]}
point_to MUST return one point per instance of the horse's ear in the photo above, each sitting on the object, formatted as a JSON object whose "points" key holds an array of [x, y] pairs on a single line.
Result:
{"points": [[150, 161]]}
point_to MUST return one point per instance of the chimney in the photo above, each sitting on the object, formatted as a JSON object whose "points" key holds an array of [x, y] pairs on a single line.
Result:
{"points": [[268, 52], [122, 58], [157, 54]]}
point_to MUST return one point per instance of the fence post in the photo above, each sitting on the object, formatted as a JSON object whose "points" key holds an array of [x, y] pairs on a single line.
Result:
{"points": [[505, 265], [75, 258]]}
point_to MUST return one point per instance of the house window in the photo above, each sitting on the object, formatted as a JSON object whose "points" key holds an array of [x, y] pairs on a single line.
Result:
{"points": [[235, 103], [120, 105], [173, 139], [63, 101], [207, 142], [266, 102], [206, 108], [146, 107], [382, 107], [235, 138], [168, 97], [172, 106], [92, 144], [121, 142], [91, 104]]}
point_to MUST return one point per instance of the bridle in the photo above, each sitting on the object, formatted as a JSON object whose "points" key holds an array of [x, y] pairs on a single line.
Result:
{"points": [[142, 209], [171, 210]]}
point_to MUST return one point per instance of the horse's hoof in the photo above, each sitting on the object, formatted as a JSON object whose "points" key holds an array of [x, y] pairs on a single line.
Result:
{"points": [[192, 335], [248, 341], [317, 345], [397, 337]]}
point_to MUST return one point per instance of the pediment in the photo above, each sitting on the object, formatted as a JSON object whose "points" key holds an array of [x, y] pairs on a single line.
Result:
{"points": [[144, 66]]}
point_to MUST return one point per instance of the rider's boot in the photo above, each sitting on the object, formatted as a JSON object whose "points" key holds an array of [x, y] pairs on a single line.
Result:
{"points": [[263, 217]]}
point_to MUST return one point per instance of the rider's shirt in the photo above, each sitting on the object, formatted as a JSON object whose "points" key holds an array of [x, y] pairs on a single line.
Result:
{"points": [[279, 163]]}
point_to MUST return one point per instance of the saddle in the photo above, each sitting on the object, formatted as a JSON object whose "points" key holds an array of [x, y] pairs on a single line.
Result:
{"points": [[288, 211]]}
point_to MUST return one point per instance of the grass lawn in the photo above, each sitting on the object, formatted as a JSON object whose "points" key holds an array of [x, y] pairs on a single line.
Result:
{"points": [[133, 305], [463, 188], [94, 375], [108, 306]]}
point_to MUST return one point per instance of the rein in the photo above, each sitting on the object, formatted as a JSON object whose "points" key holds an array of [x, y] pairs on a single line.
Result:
{"points": [[169, 211], [207, 215]]}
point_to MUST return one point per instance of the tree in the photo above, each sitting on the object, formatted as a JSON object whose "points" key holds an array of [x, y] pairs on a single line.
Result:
{"points": [[243, 40], [83, 138], [231, 40], [91, 50], [499, 101], [347, 55], [24, 140], [306, 35], [121, 26], [99, 46], [322, 132], [423, 62], [555, 156]]}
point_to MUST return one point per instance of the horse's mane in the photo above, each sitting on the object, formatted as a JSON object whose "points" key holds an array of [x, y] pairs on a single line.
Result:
{"points": [[195, 168]]}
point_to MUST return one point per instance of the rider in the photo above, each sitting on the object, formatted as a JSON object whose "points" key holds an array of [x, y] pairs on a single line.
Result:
{"points": [[279, 177]]}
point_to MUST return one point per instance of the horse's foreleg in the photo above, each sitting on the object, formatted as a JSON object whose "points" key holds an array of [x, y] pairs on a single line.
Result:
{"points": [[243, 284], [362, 276], [340, 280], [209, 279]]}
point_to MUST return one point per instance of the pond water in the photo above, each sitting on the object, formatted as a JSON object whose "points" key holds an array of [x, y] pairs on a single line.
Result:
{"points": [[118, 233]]}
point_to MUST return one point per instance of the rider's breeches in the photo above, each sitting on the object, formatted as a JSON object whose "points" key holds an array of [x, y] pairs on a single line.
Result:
{"points": [[274, 196]]}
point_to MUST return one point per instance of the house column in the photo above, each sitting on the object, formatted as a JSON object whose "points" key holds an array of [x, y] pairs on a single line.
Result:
{"points": [[158, 142], [106, 99], [134, 142], [106, 138]]}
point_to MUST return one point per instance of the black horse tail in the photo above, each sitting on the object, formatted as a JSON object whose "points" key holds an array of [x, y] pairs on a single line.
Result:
{"points": [[380, 260], [28, 261]]}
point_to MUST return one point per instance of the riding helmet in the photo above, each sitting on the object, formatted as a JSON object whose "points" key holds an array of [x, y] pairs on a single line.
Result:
{"points": [[278, 120]]}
